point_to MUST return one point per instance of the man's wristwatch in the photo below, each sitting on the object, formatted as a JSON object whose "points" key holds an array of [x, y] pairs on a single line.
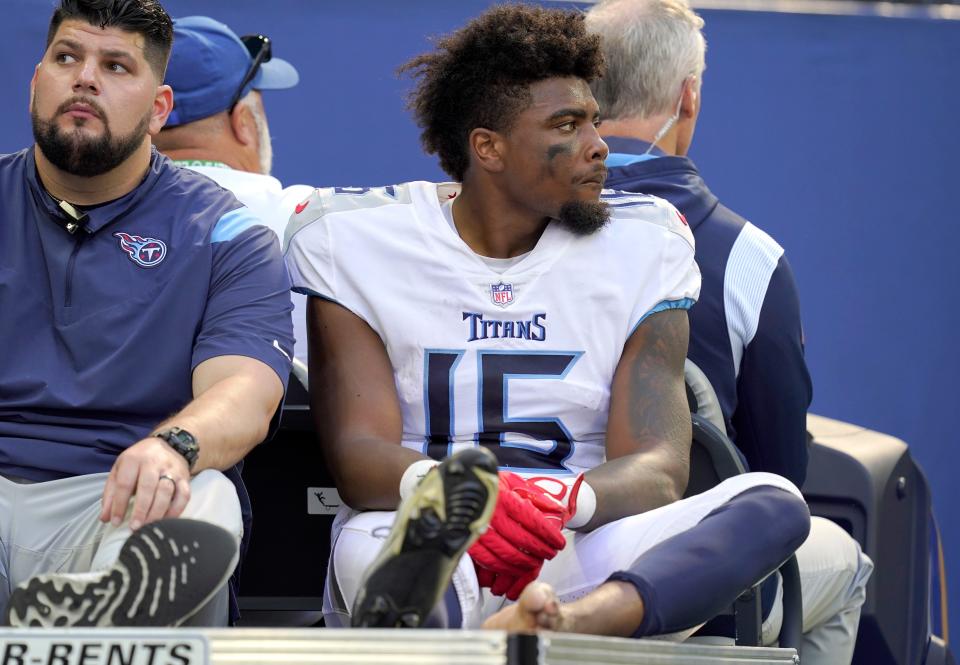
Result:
{"points": [[183, 442]]}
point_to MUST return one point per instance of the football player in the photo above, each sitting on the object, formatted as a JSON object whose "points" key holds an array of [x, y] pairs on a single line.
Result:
{"points": [[523, 312]]}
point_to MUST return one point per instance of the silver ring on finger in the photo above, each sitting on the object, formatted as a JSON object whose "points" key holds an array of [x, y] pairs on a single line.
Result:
{"points": [[173, 480]]}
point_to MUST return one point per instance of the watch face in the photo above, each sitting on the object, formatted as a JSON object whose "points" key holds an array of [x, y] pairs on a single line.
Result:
{"points": [[183, 442]]}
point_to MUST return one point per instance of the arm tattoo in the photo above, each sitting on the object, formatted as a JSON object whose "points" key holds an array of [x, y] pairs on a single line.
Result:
{"points": [[648, 432], [658, 401]]}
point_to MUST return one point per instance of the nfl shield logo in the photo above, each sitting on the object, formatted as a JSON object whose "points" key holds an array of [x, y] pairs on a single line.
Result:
{"points": [[501, 294]]}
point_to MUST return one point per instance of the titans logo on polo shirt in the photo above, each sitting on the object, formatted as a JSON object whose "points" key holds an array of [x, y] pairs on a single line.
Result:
{"points": [[146, 252]]}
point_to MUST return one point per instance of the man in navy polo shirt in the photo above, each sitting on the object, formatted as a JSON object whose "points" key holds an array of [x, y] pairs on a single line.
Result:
{"points": [[146, 325], [745, 331]]}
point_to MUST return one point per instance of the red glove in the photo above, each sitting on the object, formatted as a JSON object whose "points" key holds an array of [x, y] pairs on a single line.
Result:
{"points": [[554, 497], [520, 536], [524, 531], [505, 584]]}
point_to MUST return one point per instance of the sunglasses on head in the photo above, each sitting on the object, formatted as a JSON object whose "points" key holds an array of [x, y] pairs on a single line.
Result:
{"points": [[258, 46]]}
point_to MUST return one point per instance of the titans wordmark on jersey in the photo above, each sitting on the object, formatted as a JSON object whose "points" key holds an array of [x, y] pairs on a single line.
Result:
{"points": [[520, 361]]}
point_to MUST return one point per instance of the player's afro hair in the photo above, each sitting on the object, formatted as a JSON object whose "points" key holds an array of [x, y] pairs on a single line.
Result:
{"points": [[480, 75]]}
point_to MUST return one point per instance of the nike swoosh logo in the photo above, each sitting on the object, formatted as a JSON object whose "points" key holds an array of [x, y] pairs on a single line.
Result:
{"points": [[276, 345], [301, 207]]}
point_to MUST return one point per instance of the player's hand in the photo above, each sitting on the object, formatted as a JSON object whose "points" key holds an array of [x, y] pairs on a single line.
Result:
{"points": [[555, 498], [507, 584], [558, 503], [524, 531], [155, 475]]}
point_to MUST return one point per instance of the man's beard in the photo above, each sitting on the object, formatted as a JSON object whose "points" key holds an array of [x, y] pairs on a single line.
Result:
{"points": [[78, 154], [584, 217]]}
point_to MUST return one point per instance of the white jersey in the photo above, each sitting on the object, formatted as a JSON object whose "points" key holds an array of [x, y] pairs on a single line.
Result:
{"points": [[273, 204], [520, 360]]}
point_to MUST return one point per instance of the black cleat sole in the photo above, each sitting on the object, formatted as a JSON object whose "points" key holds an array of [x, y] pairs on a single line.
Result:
{"points": [[446, 514]]}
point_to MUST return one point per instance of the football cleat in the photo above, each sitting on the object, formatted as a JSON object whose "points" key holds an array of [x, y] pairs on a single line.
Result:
{"points": [[447, 512], [166, 571]]}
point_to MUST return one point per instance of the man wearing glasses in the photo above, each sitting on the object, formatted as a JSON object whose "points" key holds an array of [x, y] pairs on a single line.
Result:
{"points": [[218, 126], [145, 326]]}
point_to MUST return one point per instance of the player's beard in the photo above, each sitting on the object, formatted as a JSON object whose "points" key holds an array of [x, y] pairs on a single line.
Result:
{"points": [[584, 217], [79, 154]]}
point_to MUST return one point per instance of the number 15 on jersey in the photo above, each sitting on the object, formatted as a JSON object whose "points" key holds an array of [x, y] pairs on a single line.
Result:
{"points": [[540, 443]]}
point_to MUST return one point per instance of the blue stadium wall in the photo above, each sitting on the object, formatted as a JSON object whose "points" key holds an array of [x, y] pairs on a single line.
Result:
{"points": [[835, 133]]}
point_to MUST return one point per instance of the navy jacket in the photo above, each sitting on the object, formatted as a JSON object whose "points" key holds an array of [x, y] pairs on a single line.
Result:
{"points": [[745, 331]]}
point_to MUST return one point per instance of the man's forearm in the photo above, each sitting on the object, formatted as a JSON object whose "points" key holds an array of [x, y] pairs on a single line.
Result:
{"points": [[648, 429], [634, 484], [228, 419], [368, 471]]}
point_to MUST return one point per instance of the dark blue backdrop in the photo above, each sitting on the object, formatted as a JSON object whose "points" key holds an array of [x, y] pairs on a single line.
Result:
{"points": [[834, 133]]}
